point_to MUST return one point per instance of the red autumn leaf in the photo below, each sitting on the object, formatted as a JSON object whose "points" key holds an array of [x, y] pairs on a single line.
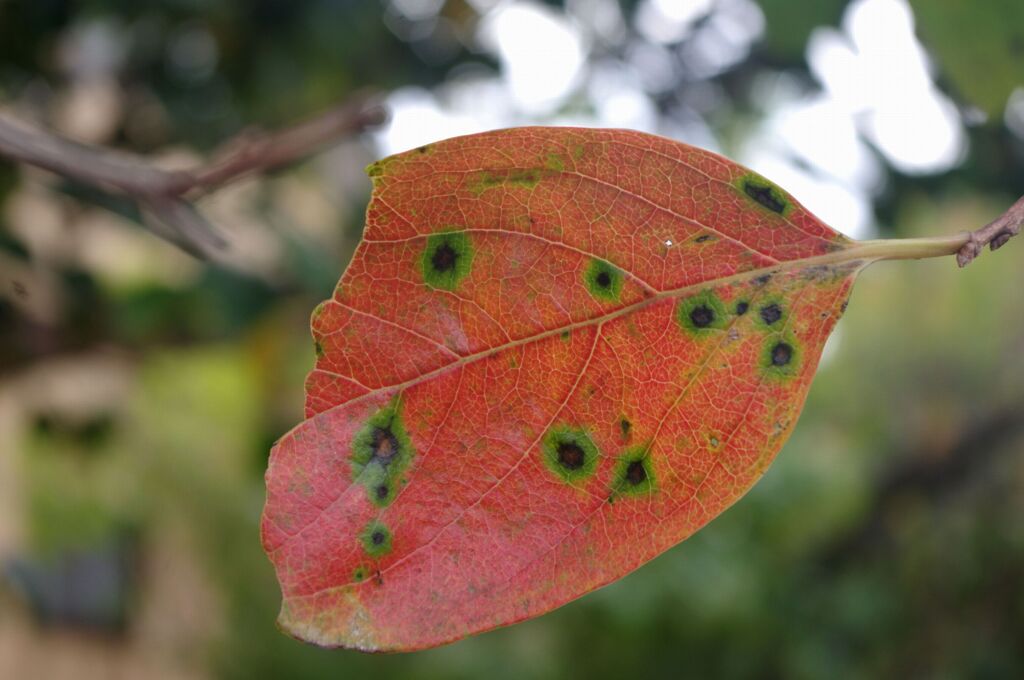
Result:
{"points": [[556, 353]]}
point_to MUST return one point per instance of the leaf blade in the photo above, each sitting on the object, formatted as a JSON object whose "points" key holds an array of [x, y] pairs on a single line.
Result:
{"points": [[495, 403]]}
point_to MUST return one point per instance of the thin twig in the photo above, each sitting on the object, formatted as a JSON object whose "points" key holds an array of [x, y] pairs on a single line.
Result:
{"points": [[166, 195], [995, 234]]}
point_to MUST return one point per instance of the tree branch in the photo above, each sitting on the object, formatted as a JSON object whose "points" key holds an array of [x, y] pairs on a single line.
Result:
{"points": [[166, 195], [995, 234]]}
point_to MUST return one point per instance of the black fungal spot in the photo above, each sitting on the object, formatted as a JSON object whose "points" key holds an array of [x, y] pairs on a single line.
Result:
{"points": [[702, 316], [625, 426], [571, 455], [782, 353], [741, 307], [762, 280], [378, 537], [444, 257], [842, 307], [765, 195], [636, 473], [384, 446], [603, 279], [423, 149], [771, 313], [702, 238], [381, 452]]}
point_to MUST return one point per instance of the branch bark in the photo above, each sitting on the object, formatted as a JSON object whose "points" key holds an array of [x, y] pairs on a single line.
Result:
{"points": [[995, 234], [166, 196]]}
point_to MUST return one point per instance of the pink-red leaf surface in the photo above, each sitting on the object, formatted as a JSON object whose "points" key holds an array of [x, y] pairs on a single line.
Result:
{"points": [[555, 354]]}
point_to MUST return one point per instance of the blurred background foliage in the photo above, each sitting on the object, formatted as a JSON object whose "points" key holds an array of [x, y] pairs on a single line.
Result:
{"points": [[140, 389]]}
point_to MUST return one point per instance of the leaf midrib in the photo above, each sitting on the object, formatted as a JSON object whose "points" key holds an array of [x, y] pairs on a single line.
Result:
{"points": [[861, 251]]}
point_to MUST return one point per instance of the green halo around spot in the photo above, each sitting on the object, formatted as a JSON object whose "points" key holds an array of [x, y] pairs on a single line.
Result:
{"points": [[764, 193], [603, 280], [702, 314], [634, 473], [447, 259], [781, 356], [376, 539], [569, 453], [381, 451]]}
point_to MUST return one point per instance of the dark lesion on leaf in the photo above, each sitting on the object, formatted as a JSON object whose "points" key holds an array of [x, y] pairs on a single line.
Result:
{"points": [[569, 453], [703, 238], [444, 258], [702, 316], [447, 259], [782, 354], [381, 451], [765, 195], [634, 473], [702, 313], [376, 539], [771, 313], [383, 445], [625, 426], [741, 307], [603, 279]]}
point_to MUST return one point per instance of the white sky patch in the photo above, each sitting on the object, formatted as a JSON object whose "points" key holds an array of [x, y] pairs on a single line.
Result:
{"points": [[654, 66], [601, 18], [542, 54], [725, 39], [1014, 115], [823, 134], [669, 21], [417, 118], [879, 73], [619, 100], [417, 10]]}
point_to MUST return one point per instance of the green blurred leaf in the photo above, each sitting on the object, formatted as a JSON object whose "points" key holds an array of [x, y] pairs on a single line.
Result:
{"points": [[980, 46], [789, 24]]}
